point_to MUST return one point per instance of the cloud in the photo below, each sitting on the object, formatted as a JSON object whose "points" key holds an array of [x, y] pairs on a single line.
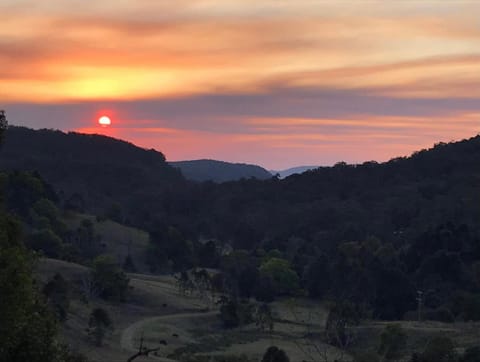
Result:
{"points": [[265, 81], [153, 49]]}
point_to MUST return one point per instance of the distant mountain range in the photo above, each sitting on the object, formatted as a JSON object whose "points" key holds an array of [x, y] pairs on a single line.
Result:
{"points": [[292, 171], [219, 171]]}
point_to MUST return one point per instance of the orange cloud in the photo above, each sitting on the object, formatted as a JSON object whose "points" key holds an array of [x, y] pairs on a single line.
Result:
{"points": [[150, 49], [259, 81]]}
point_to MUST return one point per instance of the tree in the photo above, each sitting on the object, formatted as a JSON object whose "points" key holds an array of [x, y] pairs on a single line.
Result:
{"points": [[275, 354], [234, 313], [47, 242], [3, 124], [57, 293], [85, 240], [99, 325], [264, 317], [316, 277], [128, 264], [341, 316], [110, 279], [27, 328], [285, 279], [264, 290]]}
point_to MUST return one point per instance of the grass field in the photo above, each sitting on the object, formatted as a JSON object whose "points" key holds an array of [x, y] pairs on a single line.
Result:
{"points": [[157, 311], [117, 240]]}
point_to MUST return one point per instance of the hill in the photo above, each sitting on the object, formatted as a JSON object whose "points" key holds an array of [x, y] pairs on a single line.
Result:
{"points": [[89, 171], [293, 171], [219, 171]]}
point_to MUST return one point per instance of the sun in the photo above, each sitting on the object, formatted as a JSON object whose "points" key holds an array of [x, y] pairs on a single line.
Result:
{"points": [[104, 121]]}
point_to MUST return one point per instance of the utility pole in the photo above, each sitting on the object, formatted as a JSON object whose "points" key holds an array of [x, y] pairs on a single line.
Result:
{"points": [[420, 300]]}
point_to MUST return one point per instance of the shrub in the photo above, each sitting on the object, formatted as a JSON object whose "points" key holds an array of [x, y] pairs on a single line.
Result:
{"points": [[285, 279], [234, 313], [99, 325], [275, 354], [57, 293], [46, 241], [110, 279]]}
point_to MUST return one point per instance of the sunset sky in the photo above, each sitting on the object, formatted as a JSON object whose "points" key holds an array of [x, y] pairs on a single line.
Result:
{"points": [[272, 82]]}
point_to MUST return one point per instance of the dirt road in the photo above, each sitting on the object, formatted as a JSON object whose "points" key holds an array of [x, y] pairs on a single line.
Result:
{"points": [[127, 340]]}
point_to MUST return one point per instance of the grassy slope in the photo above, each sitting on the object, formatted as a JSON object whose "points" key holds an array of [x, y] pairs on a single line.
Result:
{"points": [[117, 239], [149, 296], [156, 309]]}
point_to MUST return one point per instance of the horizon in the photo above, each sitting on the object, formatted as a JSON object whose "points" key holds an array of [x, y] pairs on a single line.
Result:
{"points": [[269, 83], [257, 164]]}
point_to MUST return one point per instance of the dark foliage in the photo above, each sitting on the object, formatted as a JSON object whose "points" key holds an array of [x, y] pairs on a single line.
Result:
{"points": [[350, 232], [110, 279], [275, 354], [57, 292], [99, 325], [89, 171]]}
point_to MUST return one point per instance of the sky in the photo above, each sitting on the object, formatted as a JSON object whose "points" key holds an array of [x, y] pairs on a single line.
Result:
{"points": [[279, 83]]}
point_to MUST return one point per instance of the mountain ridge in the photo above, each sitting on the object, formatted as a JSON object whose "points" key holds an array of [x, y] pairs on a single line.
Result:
{"points": [[219, 171]]}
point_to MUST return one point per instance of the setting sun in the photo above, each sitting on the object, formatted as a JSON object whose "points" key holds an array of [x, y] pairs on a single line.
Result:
{"points": [[104, 121]]}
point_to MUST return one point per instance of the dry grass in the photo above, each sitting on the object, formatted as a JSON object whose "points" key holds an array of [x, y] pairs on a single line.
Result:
{"points": [[156, 310], [118, 240]]}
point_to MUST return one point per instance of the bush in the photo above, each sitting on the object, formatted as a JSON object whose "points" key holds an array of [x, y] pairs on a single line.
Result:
{"points": [[57, 293], [46, 241], [275, 354], [110, 279], [99, 325], [341, 316], [234, 313], [285, 279]]}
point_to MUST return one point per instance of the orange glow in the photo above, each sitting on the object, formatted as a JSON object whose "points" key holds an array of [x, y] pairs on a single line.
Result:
{"points": [[271, 82], [197, 48]]}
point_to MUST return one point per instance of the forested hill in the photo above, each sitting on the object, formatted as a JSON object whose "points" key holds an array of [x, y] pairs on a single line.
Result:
{"points": [[347, 231], [292, 171], [91, 170], [350, 202], [219, 171]]}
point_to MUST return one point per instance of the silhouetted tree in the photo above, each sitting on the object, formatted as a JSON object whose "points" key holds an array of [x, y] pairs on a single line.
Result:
{"points": [[99, 325], [275, 354]]}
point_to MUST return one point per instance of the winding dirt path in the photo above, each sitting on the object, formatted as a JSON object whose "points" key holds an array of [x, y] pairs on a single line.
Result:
{"points": [[128, 335]]}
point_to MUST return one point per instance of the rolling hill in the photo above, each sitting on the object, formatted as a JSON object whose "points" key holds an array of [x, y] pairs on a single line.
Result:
{"points": [[219, 171], [293, 171], [94, 170]]}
